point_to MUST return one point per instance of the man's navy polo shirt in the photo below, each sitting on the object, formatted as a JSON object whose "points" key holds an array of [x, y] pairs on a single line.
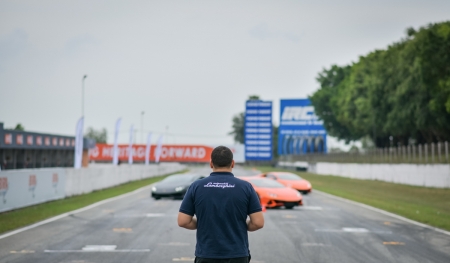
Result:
{"points": [[221, 203]]}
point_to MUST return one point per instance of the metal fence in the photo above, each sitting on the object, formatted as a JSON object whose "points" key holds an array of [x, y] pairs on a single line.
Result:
{"points": [[433, 153]]}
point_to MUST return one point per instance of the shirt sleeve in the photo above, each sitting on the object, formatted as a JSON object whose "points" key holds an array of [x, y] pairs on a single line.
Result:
{"points": [[187, 205], [253, 205]]}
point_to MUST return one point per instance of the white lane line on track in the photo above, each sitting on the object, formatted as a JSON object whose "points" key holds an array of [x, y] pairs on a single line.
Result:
{"points": [[186, 259], [75, 212], [97, 251], [155, 215], [97, 248], [383, 212], [352, 230], [316, 208]]}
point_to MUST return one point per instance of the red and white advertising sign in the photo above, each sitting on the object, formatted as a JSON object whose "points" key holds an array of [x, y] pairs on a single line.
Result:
{"points": [[67, 142], [19, 139], [8, 138], [169, 153], [55, 179], [61, 141], [32, 181], [55, 141], [30, 139], [39, 140], [3, 184], [47, 141]]}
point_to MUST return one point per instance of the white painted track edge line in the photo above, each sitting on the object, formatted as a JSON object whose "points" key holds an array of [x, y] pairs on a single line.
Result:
{"points": [[97, 251], [74, 211], [383, 212]]}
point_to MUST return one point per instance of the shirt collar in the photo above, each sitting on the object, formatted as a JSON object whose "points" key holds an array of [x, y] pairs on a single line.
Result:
{"points": [[221, 173]]}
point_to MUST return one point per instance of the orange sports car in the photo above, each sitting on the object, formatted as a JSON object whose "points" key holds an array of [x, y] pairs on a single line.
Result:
{"points": [[273, 194], [290, 180]]}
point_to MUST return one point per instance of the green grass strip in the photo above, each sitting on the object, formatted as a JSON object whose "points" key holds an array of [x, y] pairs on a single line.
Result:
{"points": [[423, 204], [14, 219]]}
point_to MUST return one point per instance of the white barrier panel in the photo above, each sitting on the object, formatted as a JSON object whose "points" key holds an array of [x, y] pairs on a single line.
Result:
{"points": [[428, 175], [21, 188], [102, 176]]}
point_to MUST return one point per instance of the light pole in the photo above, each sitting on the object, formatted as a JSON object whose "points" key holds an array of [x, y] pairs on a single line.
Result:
{"points": [[142, 127], [82, 95]]}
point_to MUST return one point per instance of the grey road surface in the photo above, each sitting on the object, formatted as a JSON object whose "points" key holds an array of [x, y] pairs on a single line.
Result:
{"points": [[137, 228]]}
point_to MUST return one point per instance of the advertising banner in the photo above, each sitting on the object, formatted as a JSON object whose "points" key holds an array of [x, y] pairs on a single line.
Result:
{"points": [[169, 153], [300, 130], [258, 130]]}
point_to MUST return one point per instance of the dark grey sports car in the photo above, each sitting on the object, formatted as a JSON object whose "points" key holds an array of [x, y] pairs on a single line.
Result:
{"points": [[174, 186]]}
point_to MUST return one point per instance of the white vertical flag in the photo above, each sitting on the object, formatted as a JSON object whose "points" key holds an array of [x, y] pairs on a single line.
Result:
{"points": [[130, 146], [79, 144], [148, 148], [158, 149], [116, 138]]}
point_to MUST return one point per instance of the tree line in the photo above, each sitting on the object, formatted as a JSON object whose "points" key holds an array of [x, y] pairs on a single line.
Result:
{"points": [[396, 96]]}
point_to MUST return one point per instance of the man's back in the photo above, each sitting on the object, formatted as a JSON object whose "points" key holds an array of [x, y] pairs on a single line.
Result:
{"points": [[221, 203]]}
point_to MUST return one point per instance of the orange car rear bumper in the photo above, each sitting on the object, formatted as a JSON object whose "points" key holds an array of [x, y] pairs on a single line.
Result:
{"points": [[277, 203]]}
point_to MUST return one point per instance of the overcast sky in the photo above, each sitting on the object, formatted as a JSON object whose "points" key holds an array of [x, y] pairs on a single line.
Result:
{"points": [[189, 65]]}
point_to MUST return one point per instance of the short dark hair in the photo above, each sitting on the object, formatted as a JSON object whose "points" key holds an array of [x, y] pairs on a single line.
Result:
{"points": [[221, 156]]}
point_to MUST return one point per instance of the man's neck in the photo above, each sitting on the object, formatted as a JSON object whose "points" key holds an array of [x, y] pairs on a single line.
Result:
{"points": [[222, 170]]}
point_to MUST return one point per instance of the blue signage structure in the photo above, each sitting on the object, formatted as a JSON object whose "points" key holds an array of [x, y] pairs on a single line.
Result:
{"points": [[258, 130], [300, 130]]}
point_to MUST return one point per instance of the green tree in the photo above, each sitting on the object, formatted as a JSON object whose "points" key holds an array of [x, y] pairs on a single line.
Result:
{"points": [[238, 128], [19, 127], [100, 136], [403, 91]]}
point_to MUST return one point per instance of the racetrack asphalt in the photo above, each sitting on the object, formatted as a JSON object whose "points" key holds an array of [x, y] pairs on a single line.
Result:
{"points": [[137, 228]]}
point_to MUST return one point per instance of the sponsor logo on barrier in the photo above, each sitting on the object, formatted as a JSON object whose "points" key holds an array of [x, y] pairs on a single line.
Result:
{"points": [[55, 180], [32, 182], [3, 188]]}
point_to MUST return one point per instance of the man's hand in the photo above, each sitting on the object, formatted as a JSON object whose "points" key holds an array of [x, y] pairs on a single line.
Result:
{"points": [[187, 221], [256, 221]]}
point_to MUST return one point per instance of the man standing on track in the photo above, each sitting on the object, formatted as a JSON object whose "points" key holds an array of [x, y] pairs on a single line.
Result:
{"points": [[221, 204]]}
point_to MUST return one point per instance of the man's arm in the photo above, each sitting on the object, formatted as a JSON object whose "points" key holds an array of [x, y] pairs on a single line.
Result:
{"points": [[187, 221], [256, 221]]}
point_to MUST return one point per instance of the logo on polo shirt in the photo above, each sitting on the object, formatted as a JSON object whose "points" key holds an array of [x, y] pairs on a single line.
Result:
{"points": [[219, 185]]}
